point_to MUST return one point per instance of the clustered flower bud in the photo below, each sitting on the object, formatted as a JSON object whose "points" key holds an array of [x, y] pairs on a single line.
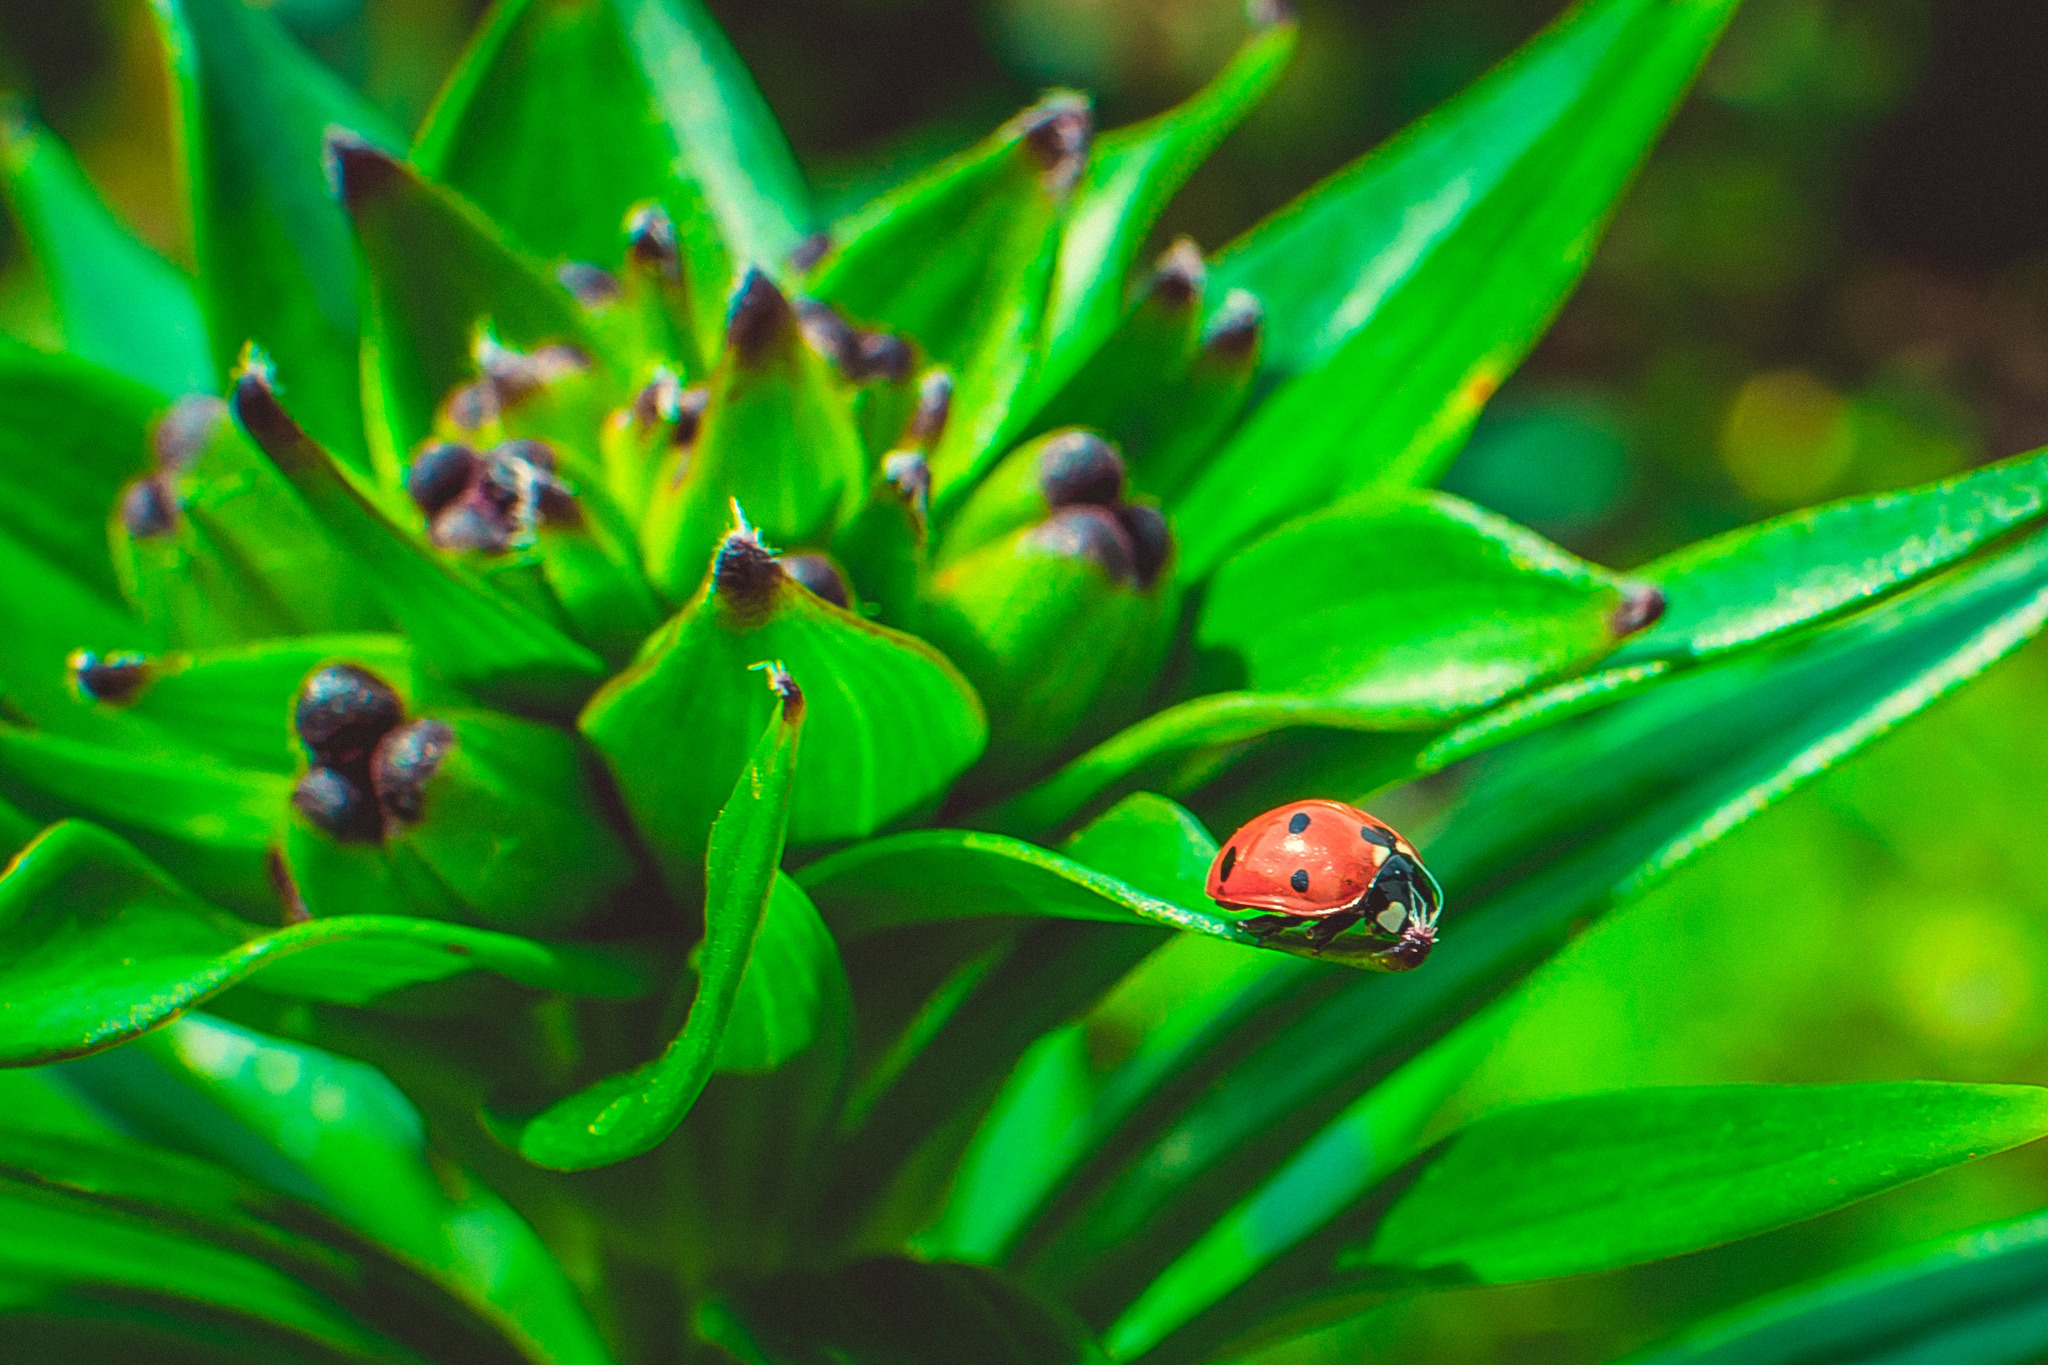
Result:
{"points": [[507, 377], [1083, 479], [149, 506], [489, 502], [370, 767]]}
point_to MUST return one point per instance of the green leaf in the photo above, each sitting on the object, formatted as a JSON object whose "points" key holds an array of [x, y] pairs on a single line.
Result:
{"points": [[1600, 1181], [100, 945], [892, 722], [1972, 1300], [118, 303], [1806, 566], [787, 987], [337, 1134], [1419, 606], [1132, 174], [466, 629], [1563, 825], [1401, 292], [436, 274], [277, 265], [896, 1311], [961, 260], [51, 613], [624, 1115]]}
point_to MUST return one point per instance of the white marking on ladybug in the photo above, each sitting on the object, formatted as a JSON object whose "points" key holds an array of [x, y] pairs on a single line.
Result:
{"points": [[1391, 918]]}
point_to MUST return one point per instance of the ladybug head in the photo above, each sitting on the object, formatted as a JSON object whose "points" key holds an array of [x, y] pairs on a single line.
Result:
{"points": [[1418, 936]]}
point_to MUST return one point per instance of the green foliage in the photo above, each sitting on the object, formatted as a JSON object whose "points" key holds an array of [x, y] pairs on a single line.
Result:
{"points": [[402, 708]]}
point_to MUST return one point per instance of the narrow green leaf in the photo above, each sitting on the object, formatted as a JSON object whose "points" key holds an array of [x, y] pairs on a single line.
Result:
{"points": [[464, 628], [101, 945], [901, 1312], [277, 265], [787, 987], [1401, 292], [626, 1114], [1586, 815], [337, 1134], [1971, 1300], [118, 303], [51, 613], [1808, 565], [1420, 605], [436, 275], [892, 722], [1132, 174]]}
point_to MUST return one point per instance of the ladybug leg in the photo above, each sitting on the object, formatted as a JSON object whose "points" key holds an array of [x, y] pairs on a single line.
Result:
{"points": [[1326, 929], [1265, 926]]}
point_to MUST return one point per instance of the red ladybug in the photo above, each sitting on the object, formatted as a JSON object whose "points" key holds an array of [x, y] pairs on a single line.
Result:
{"points": [[1329, 865]]}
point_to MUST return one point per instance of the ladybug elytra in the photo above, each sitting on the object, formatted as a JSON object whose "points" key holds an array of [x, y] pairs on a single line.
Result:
{"points": [[1330, 866]]}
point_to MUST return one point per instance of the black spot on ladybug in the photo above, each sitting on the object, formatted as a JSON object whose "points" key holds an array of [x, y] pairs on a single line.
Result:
{"points": [[1372, 834], [1299, 881], [1298, 823], [1229, 862]]}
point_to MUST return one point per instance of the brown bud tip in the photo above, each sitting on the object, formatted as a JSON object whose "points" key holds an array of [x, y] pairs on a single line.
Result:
{"points": [[1093, 534], [658, 399], [820, 575], [743, 570], [342, 711], [513, 374], [1058, 132], [253, 400], [934, 404], [879, 355], [829, 334], [1179, 275], [689, 414], [1078, 467], [651, 243], [783, 686], [1233, 334], [183, 431], [1151, 539], [405, 762], [292, 905], [116, 679], [471, 407], [593, 286], [811, 250], [531, 450], [337, 806], [911, 475], [1268, 13], [1640, 609], [474, 523], [757, 319], [358, 171], [438, 475], [149, 508]]}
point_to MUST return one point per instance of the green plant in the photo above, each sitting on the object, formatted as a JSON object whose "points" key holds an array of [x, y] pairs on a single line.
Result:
{"points": [[515, 616]]}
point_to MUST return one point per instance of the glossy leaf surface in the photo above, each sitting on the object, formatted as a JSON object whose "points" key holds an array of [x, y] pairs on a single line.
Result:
{"points": [[792, 977], [624, 1115], [101, 945], [1400, 292]]}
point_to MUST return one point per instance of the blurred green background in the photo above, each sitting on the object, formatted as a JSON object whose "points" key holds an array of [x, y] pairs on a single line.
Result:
{"points": [[1832, 278]]}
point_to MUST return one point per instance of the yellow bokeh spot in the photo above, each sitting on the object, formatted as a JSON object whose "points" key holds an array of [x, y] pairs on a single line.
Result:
{"points": [[1967, 976], [1788, 437]]}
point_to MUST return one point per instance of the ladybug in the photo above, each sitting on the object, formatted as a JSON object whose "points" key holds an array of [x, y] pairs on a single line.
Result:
{"points": [[1330, 866]]}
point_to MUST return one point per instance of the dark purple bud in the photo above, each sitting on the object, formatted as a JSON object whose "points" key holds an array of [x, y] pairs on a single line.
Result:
{"points": [[820, 575], [651, 243], [1078, 467], [1640, 609], [1093, 534], [1058, 132], [785, 689], [757, 319], [911, 474], [116, 679], [529, 449], [810, 251], [689, 414], [472, 406], [342, 711], [358, 171], [659, 399], [1233, 334], [474, 523], [183, 431], [592, 285], [253, 400], [514, 374], [744, 572], [879, 355], [149, 508], [934, 404], [1178, 277], [829, 334], [405, 762], [339, 807], [439, 474], [1151, 539]]}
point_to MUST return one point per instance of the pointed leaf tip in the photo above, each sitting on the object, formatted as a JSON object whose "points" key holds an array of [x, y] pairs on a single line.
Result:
{"points": [[1058, 132], [1642, 608], [1180, 274], [1233, 334], [1269, 13], [357, 170], [745, 571], [758, 317]]}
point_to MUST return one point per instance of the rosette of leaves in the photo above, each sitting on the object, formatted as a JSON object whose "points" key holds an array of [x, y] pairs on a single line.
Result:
{"points": [[579, 665]]}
